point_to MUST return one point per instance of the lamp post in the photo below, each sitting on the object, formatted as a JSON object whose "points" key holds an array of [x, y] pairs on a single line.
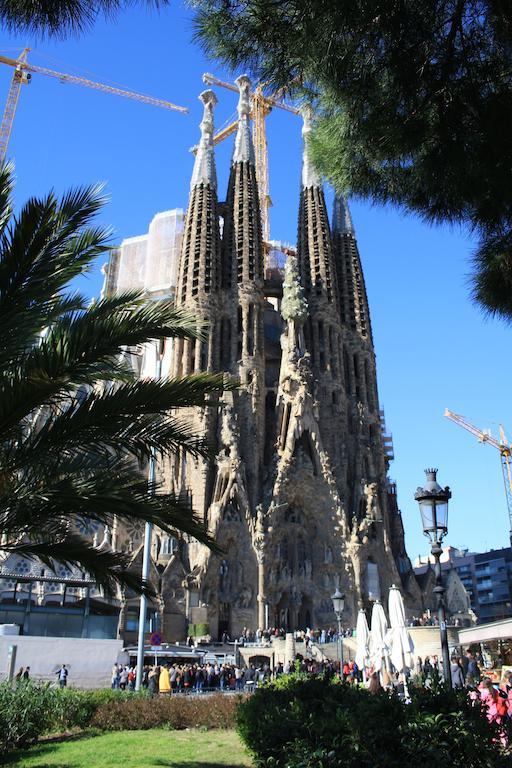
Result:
{"points": [[338, 603], [433, 501]]}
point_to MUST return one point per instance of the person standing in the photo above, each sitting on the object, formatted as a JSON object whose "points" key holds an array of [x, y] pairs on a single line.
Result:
{"points": [[115, 677], [153, 681], [164, 681], [473, 668], [123, 678], [62, 676], [457, 673]]}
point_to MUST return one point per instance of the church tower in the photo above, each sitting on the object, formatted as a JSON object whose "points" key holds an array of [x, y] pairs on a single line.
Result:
{"points": [[243, 276], [317, 272], [199, 267]]}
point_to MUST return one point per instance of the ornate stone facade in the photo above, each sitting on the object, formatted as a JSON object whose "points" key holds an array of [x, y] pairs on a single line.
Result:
{"points": [[298, 495]]}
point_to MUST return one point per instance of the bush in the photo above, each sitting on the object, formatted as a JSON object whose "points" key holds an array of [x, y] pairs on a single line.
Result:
{"points": [[199, 630], [176, 712], [32, 710], [301, 722], [24, 714]]}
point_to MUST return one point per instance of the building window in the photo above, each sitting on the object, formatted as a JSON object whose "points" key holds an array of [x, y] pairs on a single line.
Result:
{"points": [[372, 581], [169, 545]]}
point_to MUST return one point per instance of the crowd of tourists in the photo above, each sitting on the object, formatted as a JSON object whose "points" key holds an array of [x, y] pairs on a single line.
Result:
{"points": [[188, 678], [265, 636]]}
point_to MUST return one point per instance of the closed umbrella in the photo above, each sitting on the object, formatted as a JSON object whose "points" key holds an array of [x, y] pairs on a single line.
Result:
{"points": [[363, 642], [378, 646], [400, 642]]}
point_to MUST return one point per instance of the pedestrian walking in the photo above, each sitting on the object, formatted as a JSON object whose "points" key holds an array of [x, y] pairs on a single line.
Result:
{"points": [[62, 676]]}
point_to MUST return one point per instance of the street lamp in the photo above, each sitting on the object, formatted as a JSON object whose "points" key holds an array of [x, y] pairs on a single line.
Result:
{"points": [[338, 603], [433, 501]]}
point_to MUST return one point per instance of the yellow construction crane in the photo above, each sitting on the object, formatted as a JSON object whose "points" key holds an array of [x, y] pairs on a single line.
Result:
{"points": [[22, 75], [502, 445], [261, 107]]}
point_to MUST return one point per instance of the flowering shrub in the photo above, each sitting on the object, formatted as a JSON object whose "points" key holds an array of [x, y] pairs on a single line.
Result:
{"points": [[301, 722]]}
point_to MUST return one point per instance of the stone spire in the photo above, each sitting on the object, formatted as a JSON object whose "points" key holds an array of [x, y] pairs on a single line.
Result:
{"points": [[353, 300], [199, 269], [341, 217], [242, 241], [204, 167], [314, 247]]}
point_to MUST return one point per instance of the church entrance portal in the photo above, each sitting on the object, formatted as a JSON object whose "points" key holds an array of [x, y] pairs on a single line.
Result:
{"points": [[224, 619], [291, 615]]}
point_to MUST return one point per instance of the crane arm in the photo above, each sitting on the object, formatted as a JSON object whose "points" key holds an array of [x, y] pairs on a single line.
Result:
{"points": [[271, 101], [484, 437], [210, 79], [63, 77]]}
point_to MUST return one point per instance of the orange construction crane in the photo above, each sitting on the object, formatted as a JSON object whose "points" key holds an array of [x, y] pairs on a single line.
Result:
{"points": [[261, 107], [502, 445], [22, 76]]}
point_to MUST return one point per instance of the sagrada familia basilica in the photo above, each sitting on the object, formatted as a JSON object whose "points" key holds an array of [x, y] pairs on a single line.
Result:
{"points": [[298, 495]]}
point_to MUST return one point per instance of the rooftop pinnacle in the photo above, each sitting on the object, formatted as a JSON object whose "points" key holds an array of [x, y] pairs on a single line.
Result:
{"points": [[244, 148], [310, 177], [204, 166]]}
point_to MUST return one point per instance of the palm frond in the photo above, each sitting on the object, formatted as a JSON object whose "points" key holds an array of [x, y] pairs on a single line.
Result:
{"points": [[6, 189], [106, 568], [43, 501], [40, 252]]}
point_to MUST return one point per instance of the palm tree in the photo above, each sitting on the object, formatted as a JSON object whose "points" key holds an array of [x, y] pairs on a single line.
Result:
{"points": [[60, 17], [76, 426]]}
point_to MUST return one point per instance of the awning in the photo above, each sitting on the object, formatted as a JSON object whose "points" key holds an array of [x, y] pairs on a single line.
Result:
{"points": [[496, 630]]}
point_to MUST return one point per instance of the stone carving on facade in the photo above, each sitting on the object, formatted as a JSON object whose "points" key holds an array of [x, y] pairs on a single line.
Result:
{"points": [[244, 598]]}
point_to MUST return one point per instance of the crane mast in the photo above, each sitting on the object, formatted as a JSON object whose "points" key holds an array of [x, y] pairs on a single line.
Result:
{"points": [[504, 448], [19, 78]]}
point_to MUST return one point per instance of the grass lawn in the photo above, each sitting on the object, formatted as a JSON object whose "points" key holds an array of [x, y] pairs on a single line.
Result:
{"points": [[138, 749]]}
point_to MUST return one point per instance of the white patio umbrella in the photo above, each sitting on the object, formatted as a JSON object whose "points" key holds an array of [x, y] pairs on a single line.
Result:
{"points": [[400, 642], [378, 645], [363, 642]]}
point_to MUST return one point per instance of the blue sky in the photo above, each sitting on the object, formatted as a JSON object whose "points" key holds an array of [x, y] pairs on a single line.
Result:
{"points": [[434, 348]]}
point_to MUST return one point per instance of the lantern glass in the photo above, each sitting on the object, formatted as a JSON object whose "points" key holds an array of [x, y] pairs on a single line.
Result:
{"points": [[338, 601], [434, 517]]}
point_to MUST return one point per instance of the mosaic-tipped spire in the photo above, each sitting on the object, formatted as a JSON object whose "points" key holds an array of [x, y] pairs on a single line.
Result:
{"points": [[310, 176], [244, 147], [204, 167], [341, 218]]}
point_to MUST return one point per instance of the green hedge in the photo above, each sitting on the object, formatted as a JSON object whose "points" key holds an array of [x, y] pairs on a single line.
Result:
{"points": [[301, 722], [199, 630], [31, 710]]}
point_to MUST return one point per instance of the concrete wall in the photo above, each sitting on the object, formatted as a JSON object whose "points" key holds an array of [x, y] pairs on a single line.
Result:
{"points": [[89, 661], [427, 641]]}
